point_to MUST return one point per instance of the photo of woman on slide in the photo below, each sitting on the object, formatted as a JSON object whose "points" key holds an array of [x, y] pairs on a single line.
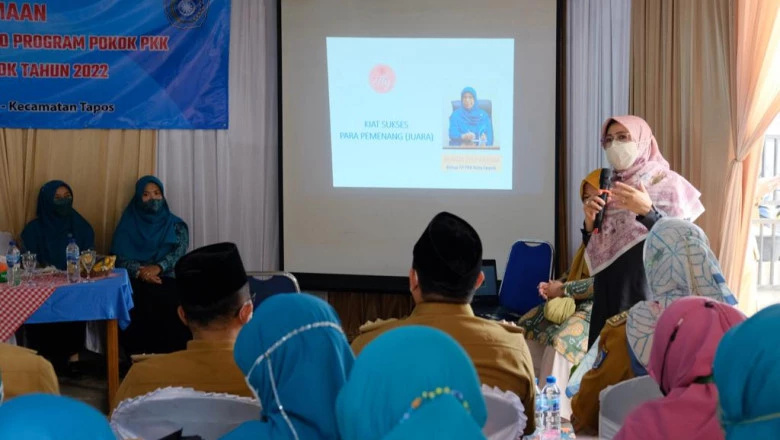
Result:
{"points": [[469, 123]]}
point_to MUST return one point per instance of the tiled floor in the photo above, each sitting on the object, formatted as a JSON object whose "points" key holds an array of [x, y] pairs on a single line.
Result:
{"points": [[89, 389]]}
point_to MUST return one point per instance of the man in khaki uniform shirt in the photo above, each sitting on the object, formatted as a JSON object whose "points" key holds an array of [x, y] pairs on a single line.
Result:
{"points": [[215, 304], [25, 372], [612, 366], [446, 271]]}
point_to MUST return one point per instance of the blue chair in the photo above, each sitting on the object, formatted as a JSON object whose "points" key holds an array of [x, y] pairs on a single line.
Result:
{"points": [[530, 263], [265, 284]]}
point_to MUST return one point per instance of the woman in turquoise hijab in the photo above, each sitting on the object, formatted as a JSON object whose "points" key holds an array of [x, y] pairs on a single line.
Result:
{"points": [[747, 374], [49, 417], [47, 236], [412, 383], [149, 239], [469, 124], [148, 242], [295, 358]]}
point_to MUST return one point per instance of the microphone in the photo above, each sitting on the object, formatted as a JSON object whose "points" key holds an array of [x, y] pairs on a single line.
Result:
{"points": [[605, 183]]}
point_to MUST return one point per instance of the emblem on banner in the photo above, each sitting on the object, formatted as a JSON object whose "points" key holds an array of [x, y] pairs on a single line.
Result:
{"points": [[186, 14]]}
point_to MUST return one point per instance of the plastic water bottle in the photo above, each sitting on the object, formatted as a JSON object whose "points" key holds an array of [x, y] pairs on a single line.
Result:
{"points": [[72, 261], [539, 408], [13, 260], [552, 413]]}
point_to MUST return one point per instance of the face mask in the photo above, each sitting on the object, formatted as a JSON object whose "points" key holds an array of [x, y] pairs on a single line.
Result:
{"points": [[63, 207], [153, 205], [251, 311], [621, 155]]}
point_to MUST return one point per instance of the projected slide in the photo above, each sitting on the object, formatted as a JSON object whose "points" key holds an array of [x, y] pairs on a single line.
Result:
{"points": [[421, 112]]}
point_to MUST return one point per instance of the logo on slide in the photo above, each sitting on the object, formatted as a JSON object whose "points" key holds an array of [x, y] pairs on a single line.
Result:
{"points": [[382, 78]]}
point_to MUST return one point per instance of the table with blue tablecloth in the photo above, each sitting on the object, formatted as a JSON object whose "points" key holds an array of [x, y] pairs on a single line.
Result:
{"points": [[106, 299], [109, 298]]}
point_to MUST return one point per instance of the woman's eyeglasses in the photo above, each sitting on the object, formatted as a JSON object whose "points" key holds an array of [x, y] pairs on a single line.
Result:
{"points": [[620, 137]]}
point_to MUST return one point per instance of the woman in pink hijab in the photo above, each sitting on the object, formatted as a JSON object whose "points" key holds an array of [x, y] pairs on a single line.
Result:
{"points": [[644, 189], [686, 338]]}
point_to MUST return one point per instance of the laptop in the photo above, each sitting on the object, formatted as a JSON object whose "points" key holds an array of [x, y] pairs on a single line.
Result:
{"points": [[485, 302]]}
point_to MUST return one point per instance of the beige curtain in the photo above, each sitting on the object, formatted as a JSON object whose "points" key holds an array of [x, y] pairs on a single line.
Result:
{"points": [[686, 56], [754, 84], [100, 165], [679, 84]]}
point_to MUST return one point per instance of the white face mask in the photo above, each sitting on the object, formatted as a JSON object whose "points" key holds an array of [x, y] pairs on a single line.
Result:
{"points": [[621, 155], [251, 312]]}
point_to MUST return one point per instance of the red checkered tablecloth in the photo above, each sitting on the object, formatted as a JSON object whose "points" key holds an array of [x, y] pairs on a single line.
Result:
{"points": [[20, 302]]}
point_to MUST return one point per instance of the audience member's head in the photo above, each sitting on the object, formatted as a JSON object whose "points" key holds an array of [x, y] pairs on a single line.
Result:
{"points": [[686, 338], [447, 264], [412, 383], [678, 263], [50, 417], [589, 187], [296, 358], [213, 290], [747, 374]]}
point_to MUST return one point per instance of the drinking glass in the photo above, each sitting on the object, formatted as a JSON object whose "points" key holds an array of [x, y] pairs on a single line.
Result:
{"points": [[87, 260], [29, 262]]}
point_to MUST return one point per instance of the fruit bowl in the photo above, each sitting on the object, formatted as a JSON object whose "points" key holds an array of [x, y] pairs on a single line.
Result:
{"points": [[103, 267]]}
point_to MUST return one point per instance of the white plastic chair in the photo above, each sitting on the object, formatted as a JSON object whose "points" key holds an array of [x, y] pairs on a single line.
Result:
{"points": [[167, 410], [5, 238], [618, 401], [506, 415]]}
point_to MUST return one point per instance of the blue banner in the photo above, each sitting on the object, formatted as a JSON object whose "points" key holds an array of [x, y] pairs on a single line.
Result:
{"points": [[154, 64]]}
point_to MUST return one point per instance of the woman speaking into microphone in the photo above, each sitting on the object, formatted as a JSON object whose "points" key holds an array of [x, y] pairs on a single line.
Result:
{"points": [[644, 189]]}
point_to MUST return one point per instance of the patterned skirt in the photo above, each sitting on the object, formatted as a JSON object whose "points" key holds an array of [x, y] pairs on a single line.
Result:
{"points": [[570, 338]]}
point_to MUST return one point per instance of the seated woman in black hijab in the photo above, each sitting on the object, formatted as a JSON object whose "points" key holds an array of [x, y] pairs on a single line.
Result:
{"points": [[56, 223], [47, 236], [148, 242]]}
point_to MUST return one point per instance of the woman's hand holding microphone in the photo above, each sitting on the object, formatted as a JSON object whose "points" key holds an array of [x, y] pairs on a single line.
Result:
{"points": [[592, 206], [635, 200]]}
